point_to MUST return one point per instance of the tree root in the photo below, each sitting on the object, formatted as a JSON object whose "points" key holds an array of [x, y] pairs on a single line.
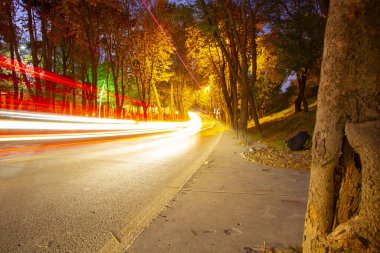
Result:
{"points": [[353, 236]]}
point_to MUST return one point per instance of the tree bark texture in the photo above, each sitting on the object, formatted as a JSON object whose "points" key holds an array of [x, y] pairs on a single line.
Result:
{"points": [[343, 212]]}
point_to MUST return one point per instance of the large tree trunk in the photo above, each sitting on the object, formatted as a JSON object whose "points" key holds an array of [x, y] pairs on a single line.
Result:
{"points": [[344, 214]]}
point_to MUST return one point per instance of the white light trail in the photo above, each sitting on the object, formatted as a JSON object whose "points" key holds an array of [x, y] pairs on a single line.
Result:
{"points": [[105, 130], [65, 118]]}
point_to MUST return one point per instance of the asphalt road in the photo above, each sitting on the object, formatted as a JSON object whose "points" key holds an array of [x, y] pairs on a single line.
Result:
{"points": [[91, 196]]}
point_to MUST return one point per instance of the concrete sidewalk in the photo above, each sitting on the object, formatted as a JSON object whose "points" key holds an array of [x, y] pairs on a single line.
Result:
{"points": [[230, 205]]}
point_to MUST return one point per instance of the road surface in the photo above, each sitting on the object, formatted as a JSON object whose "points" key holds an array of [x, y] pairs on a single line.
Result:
{"points": [[94, 195]]}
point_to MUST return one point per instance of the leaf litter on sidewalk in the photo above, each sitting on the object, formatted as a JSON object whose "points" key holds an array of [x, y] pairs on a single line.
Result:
{"points": [[279, 158]]}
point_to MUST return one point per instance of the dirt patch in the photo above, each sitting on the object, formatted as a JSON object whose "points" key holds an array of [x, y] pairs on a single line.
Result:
{"points": [[279, 158]]}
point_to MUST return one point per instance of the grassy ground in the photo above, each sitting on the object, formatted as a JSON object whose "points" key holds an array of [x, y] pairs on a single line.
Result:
{"points": [[279, 127]]}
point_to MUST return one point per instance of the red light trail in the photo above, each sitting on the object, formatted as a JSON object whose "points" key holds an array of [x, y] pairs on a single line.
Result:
{"points": [[11, 64]]}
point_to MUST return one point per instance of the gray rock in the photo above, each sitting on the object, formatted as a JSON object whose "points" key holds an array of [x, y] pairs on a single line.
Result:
{"points": [[257, 146]]}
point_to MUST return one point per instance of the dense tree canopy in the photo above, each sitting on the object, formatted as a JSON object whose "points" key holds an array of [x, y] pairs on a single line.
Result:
{"points": [[120, 63]]}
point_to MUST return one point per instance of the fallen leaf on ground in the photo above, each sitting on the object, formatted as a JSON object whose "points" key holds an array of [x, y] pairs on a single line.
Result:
{"points": [[279, 158]]}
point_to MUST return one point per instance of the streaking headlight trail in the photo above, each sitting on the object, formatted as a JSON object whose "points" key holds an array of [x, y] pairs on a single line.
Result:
{"points": [[54, 117], [88, 127]]}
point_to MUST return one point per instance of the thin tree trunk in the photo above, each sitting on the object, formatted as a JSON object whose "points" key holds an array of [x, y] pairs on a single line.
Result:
{"points": [[108, 92], [39, 95], [245, 91], [254, 113], [253, 11], [16, 98], [83, 90], [160, 114], [122, 89], [171, 99], [32, 42], [46, 47], [301, 98], [235, 102], [94, 84]]}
